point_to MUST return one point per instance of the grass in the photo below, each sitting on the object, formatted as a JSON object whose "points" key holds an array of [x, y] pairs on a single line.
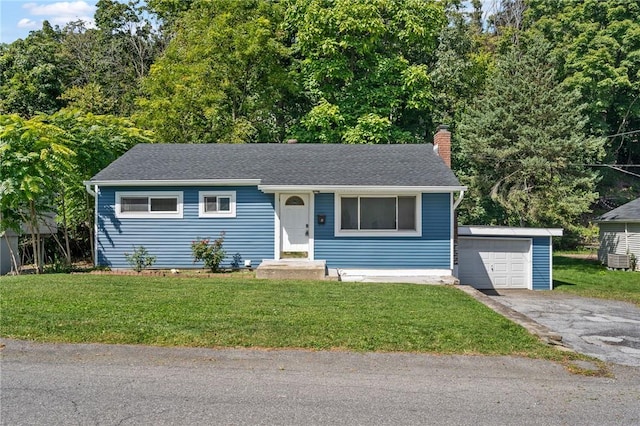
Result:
{"points": [[240, 312], [586, 277]]}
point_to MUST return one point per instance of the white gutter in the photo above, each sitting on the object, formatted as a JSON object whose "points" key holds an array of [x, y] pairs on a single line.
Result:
{"points": [[192, 182], [87, 187], [459, 200], [359, 188]]}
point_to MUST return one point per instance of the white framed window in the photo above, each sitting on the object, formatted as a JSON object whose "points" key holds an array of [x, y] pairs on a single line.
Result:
{"points": [[378, 215], [148, 204], [217, 204]]}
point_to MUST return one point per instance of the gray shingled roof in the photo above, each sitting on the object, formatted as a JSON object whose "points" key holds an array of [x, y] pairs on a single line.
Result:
{"points": [[284, 164], [629, 212]]}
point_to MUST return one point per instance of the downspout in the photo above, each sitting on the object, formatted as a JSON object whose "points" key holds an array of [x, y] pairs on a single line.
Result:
{"points": [[87, 186], [459, 200], [93, 239]]}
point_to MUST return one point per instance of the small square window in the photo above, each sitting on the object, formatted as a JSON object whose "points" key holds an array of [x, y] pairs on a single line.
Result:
{"points": [[217, 204]]}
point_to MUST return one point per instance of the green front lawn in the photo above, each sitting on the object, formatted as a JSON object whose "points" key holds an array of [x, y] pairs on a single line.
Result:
{"points": [[237, 312], [588, 278]]}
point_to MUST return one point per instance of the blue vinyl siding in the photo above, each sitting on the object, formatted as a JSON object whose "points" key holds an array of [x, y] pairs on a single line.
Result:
{"points": [[431, 251], [250, 233], [542, 272]]}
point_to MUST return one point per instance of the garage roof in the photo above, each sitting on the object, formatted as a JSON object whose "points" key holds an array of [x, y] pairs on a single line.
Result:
{"points": [[507, 231]]}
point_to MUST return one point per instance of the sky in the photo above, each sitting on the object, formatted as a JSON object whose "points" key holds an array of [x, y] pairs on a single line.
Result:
{"points": [[18, 17]]}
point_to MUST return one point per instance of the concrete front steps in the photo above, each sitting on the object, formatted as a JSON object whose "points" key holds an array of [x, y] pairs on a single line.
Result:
{"points": [[294, 269]]}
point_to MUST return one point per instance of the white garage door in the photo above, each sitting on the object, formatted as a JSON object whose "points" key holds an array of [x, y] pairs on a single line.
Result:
{"points": [[494, 263]]}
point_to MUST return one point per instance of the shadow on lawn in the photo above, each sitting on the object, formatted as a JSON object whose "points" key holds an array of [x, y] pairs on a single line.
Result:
{"points": [[557, 283]]}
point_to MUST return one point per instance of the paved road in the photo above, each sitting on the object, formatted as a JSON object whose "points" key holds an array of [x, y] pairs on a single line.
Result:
{"points": [[605, 329], [107, 385]]}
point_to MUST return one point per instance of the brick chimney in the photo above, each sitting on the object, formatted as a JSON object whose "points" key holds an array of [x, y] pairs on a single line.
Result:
{"points": [[442, 143]]}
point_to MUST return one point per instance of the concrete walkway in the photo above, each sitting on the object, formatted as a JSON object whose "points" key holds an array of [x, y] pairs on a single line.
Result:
{"points": [[605, 329]]}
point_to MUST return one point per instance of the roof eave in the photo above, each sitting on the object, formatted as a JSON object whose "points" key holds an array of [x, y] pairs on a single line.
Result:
{"points": [[621, 220], [173, 182], [359, 188], [508, 231]]}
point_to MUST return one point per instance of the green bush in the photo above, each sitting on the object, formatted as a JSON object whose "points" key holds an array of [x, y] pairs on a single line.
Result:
{"points": [[212, 255], [140, 259]]}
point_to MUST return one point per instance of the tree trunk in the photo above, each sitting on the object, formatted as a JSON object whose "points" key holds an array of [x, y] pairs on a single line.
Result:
{"points": [[35, 237], [65, 230], [91, 227]]}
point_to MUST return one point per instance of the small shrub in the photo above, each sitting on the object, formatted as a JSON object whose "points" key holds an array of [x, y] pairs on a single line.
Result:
{"points": [[212, 255], [237, 259], [59, 266], [140, 259]]}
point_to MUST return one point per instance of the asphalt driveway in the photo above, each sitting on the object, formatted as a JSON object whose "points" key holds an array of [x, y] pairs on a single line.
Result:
{"points": [[605, 329]]}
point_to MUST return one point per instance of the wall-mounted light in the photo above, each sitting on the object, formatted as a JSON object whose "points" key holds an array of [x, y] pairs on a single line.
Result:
{"points": [[322, 218]]}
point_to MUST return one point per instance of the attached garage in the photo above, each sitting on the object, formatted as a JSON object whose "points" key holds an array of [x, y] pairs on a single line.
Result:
{"points": [[506, 258]]}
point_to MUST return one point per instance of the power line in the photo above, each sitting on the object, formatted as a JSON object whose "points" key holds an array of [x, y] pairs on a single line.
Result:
{"points": [[631, 132]]}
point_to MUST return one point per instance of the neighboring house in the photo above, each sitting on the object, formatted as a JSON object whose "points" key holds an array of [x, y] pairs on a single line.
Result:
{"points": [[620, 235], [9, 254], [363, 207]]}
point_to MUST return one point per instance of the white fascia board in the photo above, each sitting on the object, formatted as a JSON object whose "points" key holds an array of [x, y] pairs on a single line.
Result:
{"points": [[186, 182], [343, 189], [508, 231], [617, 221]]}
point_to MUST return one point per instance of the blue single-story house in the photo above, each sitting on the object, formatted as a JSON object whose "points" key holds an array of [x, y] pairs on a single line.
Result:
{"points": [[385, 210]]}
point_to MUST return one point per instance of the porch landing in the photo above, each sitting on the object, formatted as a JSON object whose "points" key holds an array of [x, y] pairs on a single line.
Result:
{"points": [[293, 269]]}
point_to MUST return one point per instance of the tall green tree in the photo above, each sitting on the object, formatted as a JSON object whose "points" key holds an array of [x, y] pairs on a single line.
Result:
{"points": [[365, 67], [525, 148], [597, 47], [32, 74], [462, 63], [43, 162], [106, 64], [34, 154], [223, 78]]}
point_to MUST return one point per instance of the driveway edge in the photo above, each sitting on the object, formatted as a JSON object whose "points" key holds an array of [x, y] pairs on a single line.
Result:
{"points": [[542, 332]]}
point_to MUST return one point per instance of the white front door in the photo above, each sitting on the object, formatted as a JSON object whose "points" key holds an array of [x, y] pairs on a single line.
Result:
{"points": [[294, 220]]}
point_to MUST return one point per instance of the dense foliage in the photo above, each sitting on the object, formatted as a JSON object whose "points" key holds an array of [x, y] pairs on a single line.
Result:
{"points": [[530, 89]]}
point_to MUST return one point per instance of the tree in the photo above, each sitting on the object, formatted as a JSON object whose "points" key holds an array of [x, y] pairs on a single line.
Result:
{"points": [[107, 64], [365, 67], [524, 146], [223, 78], [32, 76], [596, 45], [461, 66], [34, 155], [45, 160]]}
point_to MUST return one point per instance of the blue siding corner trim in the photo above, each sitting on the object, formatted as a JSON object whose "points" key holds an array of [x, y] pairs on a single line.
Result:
{"points": [[431, 251], [250, 234], [541, 264]]}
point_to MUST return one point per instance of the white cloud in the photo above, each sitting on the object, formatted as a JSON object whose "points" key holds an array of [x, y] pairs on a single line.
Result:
{"points": [[28, 24], [60, 13]]}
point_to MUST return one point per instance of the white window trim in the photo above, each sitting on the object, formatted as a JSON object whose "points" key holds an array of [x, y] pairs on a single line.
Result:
{"points": [[228, 194], [338, 232], [149, 214]]}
